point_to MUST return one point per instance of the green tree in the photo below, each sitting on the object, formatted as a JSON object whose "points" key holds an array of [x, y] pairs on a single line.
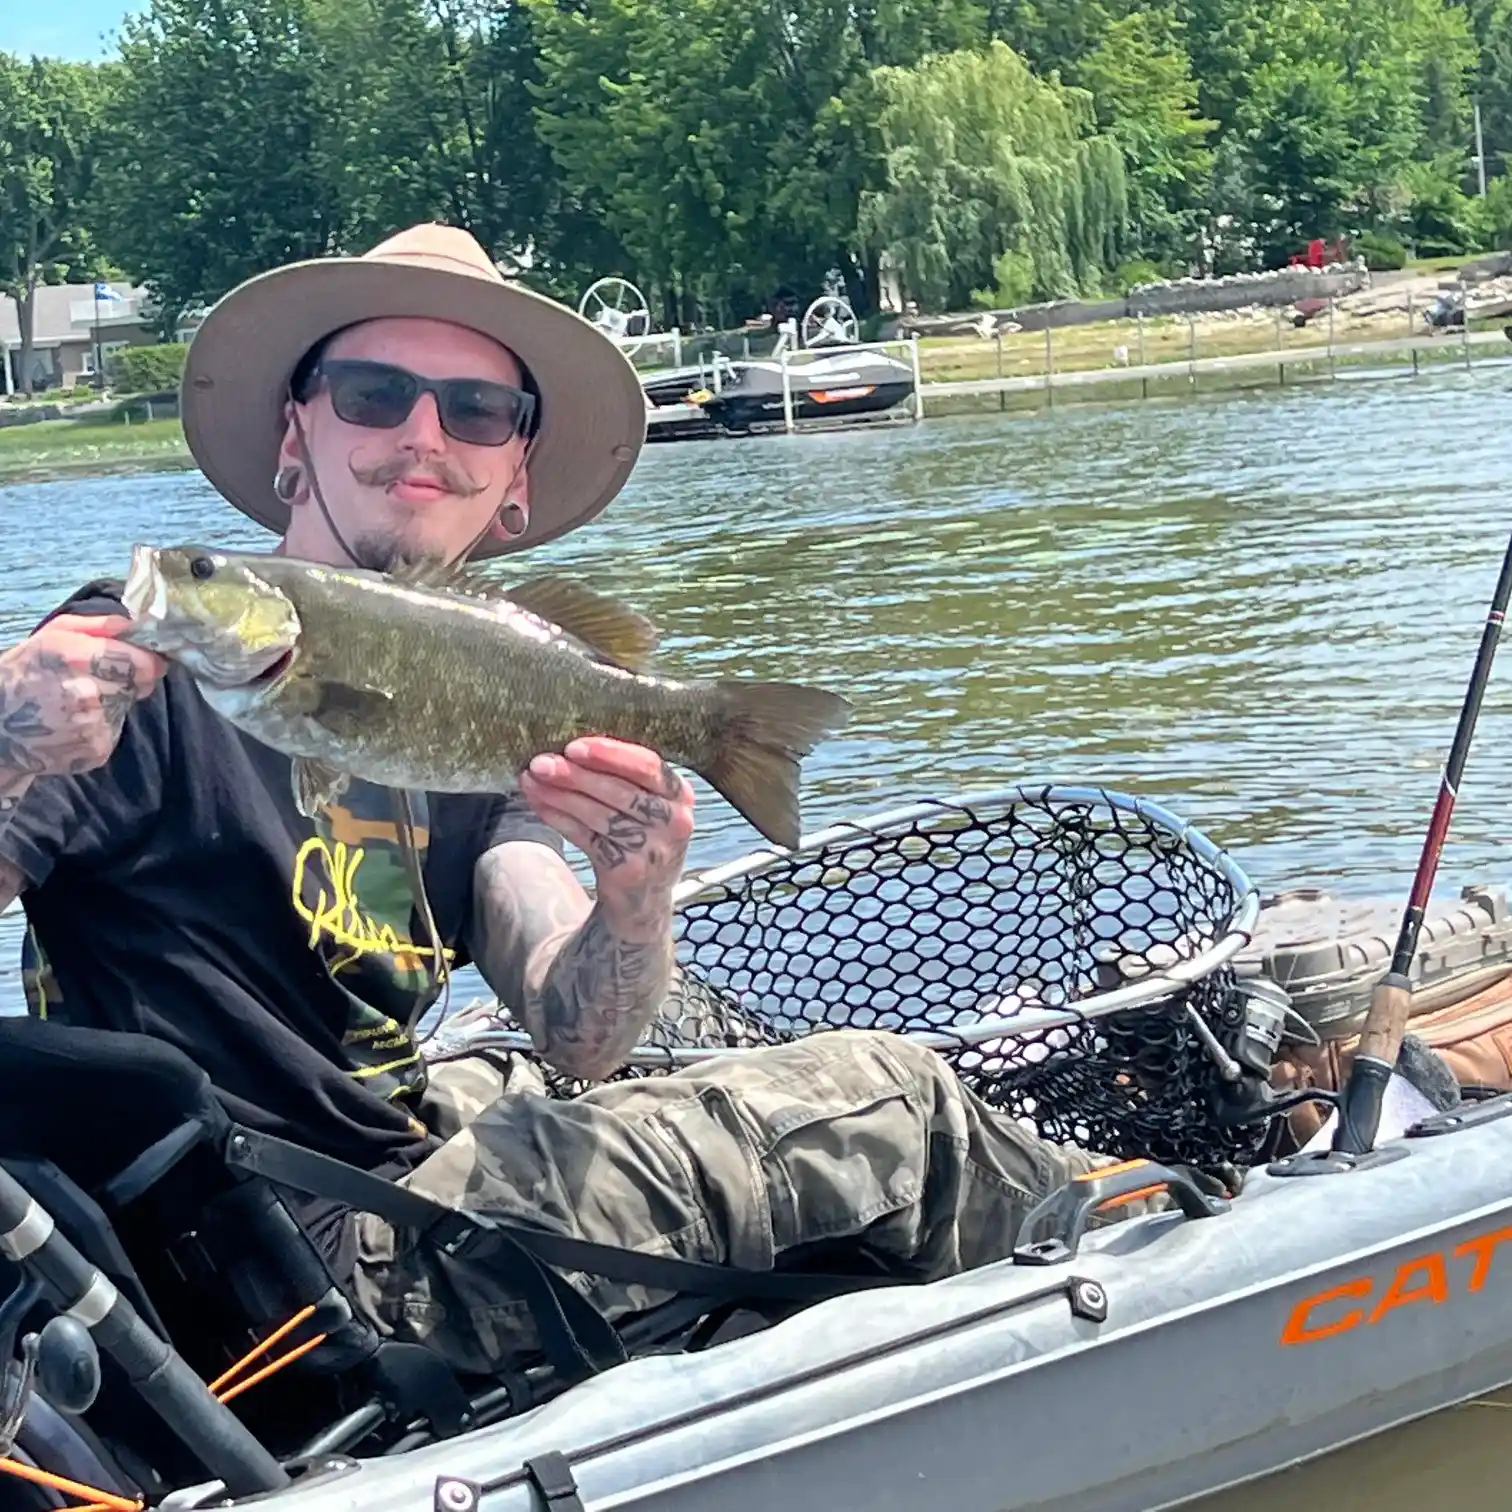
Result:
{"points": [[1053, 36], [489, 168], [1140, 78], [716, 153], [385, 141], [1495, 213], [212, 165], [726, 147], [1324, 107], [1491, 23], [1303, 158], [983, 158], [248, 133], [49, 128], [636, 110]]}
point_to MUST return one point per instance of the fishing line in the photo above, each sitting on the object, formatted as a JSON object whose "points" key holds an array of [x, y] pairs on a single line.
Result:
{"points": [[439, 973]]}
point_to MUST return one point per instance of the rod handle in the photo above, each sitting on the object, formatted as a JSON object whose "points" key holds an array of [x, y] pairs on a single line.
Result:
{"points": [[1365, 1088]]}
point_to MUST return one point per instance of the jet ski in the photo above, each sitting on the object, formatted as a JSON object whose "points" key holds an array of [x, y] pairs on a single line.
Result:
{"points": [[746, 397]]}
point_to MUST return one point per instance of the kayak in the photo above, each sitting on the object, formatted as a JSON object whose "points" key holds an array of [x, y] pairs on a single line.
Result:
{"points": [[1088, 960], [1166, 1362]]}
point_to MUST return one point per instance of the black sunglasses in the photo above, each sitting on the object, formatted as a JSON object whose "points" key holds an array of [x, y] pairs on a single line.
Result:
{"points": [[378, 395]]}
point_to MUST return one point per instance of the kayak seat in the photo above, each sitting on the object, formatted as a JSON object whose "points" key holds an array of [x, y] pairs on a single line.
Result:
{"points": [[121, 1140]]}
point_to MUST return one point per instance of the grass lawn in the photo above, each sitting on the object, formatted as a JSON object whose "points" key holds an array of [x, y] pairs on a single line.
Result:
{"points": [[1167, 339], [57, 448], [1443, 264]]}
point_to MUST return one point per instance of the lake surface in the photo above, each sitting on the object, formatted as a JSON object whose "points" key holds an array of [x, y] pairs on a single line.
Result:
{"points": [[1258, 609]]}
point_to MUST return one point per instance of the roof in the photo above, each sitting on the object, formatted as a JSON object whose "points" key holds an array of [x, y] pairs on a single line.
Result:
{"points": [[66, 312]]}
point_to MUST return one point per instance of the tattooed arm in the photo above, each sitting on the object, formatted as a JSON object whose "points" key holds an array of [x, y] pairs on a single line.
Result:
{"points": [[587, 976], [583, 990], [65, 692]]}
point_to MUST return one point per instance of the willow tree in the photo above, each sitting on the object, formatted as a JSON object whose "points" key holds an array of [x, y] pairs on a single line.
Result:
{"points": [[715, 138], [981, 159]]}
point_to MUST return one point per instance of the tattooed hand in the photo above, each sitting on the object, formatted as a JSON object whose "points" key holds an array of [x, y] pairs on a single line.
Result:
{"points": [[586, 976], [65, 692], [630, 814]]}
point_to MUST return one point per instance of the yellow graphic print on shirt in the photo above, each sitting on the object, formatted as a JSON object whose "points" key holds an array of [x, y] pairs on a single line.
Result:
{"points": [[352, 889]]}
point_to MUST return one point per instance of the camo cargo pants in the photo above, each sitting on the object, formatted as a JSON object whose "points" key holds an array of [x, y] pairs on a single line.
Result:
{"points": [[847, 1134]]}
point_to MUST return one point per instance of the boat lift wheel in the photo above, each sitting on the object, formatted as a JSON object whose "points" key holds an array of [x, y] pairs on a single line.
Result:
{"points": [[617, 308], [829, 321]]}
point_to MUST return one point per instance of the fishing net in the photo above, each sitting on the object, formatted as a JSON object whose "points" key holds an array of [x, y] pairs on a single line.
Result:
{"points": [[1068, 951]]}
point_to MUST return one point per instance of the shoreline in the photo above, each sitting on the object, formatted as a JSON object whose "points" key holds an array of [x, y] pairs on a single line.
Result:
{"points": [[63, 469], [89, 446], [961, 377]]}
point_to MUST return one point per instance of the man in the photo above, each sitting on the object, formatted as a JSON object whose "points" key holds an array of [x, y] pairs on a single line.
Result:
{"points": [[409, 403]]}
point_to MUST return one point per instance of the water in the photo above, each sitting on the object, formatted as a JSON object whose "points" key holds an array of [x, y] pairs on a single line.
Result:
{"points": [[1259, 610]]}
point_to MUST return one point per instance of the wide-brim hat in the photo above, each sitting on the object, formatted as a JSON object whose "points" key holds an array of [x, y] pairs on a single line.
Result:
{"points": [[591, 408]]}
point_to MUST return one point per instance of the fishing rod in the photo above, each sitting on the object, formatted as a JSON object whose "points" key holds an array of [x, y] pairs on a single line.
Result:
{"points": [[1386, 1021]]}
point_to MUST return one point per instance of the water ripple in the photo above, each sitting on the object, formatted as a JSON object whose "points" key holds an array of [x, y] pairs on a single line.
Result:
{"points": [[1260, 609]]}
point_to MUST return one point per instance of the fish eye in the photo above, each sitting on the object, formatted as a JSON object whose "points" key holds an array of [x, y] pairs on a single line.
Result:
{"points": [[202, 567]]}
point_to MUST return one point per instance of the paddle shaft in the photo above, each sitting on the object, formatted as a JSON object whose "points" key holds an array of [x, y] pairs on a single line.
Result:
{"points": [[1386, 1021]]}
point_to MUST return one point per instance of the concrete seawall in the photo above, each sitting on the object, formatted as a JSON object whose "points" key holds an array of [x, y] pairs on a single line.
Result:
{"points": [[1186, 296]]}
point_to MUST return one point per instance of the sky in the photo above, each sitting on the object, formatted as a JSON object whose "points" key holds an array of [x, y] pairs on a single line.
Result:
{"points": [[81, 30]]}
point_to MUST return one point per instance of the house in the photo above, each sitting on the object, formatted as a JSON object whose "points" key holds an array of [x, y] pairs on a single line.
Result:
{"points": [[65, 331]]}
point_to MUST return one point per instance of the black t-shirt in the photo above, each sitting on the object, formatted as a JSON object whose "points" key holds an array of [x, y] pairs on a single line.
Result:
{"points": [[177, 891]]}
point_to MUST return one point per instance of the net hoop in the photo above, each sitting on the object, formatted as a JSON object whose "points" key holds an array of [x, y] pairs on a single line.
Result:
{"points": [[1156, 987]]}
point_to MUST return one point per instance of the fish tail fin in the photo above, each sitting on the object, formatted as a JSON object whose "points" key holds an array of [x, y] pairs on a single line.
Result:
{"points": [[765, 731]]}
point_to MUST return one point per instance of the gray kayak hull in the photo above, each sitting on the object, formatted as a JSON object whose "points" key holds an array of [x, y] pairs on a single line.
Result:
{"points": [[1312, 1313]]}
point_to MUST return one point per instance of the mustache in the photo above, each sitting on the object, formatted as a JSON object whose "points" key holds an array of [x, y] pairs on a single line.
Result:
{"points": [[450, 474]]}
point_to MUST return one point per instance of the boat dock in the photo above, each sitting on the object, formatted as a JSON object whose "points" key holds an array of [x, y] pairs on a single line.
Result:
{"points": [[1279, 359], [679, 421], [688, 422]]}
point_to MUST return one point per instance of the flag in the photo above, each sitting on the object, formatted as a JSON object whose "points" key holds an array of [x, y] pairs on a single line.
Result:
{"points": [[104, 291]]}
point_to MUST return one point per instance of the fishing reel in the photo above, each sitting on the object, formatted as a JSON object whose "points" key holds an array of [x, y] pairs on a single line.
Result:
{"points": [[61, 1362], [1257, 1016]]}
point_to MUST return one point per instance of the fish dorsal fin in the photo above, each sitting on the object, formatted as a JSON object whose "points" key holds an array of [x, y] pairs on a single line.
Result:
{"points": [[606, 626], [449, 577]]}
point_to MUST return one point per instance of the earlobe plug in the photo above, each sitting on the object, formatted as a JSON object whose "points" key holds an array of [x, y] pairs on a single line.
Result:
{"points": [[286, 484]]}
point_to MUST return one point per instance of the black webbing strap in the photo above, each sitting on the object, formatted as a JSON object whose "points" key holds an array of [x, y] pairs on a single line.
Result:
{"points": [[551, 1475], [320, 1176], [576, 1337]]}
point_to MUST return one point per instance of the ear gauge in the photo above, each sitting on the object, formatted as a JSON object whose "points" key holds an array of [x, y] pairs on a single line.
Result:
{"points": [[513, 519], [286, 482]]}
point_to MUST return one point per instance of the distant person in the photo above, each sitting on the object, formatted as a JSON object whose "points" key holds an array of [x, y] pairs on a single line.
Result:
{"points": [[401, 405]]}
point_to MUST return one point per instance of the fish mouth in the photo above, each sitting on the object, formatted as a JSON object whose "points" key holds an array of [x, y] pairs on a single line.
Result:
{"points": [[145, 595], [256, 683], [270, 675]]}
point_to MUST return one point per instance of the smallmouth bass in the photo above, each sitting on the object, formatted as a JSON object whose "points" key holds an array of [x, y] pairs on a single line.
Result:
{"points": [[437, 679]]}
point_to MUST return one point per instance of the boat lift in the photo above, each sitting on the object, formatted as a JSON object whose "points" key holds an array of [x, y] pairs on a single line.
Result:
{"points": [[827, 331]]}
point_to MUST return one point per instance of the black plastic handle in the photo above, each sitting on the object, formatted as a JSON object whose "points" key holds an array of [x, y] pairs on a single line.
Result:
{"points": [[1053, 1229]]}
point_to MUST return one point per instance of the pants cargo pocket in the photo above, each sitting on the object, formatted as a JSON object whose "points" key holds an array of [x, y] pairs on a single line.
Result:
{"points": [[812, 1142]]}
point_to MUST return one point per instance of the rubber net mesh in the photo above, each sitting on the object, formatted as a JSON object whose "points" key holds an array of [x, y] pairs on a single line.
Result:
{"points": [[963, 915]]}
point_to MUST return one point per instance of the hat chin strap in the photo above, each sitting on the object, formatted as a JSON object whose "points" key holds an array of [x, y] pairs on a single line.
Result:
{"points": [[319, 493], [315, 488]]}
